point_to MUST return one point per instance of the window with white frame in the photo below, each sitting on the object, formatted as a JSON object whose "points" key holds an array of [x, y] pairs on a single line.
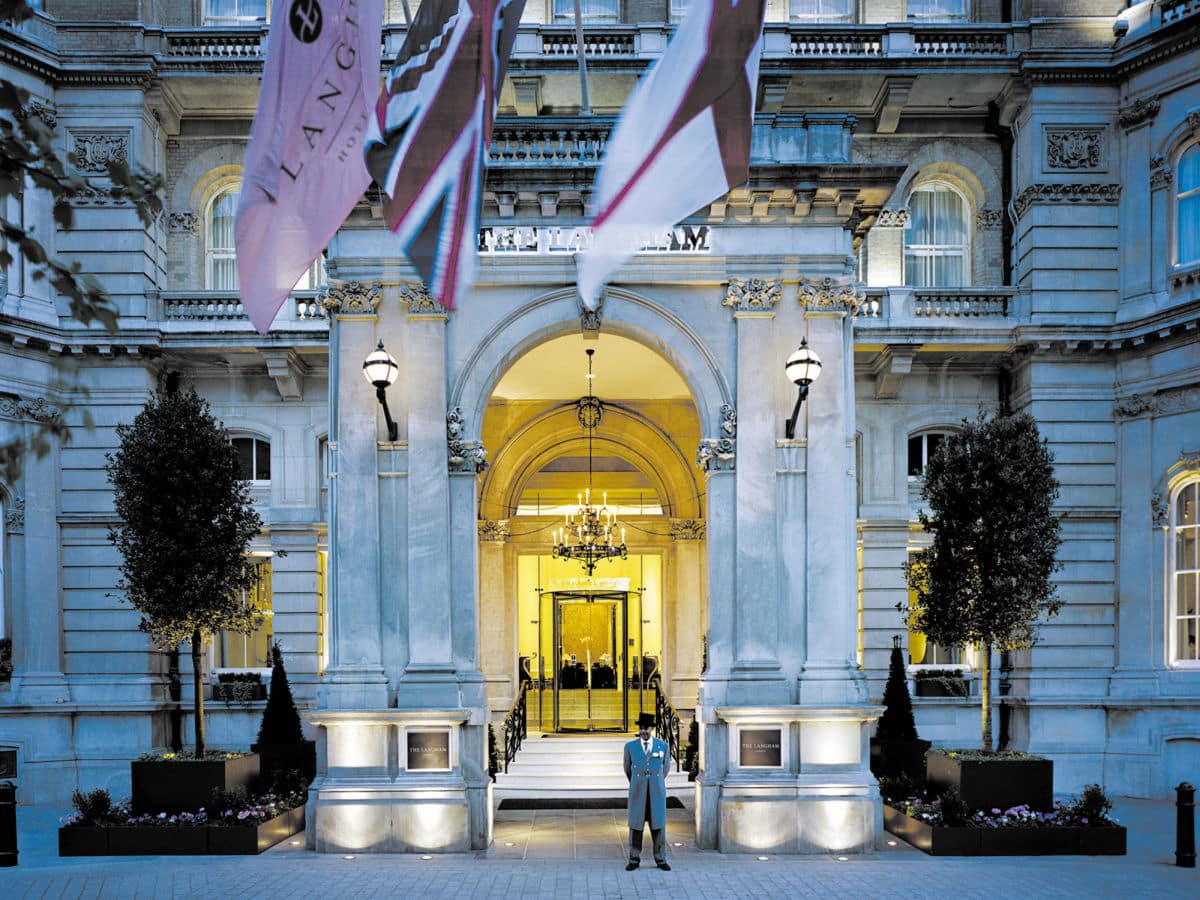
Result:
{"points": [[314, 277], [1184, 565], [234, 650], [1187, 206], [937, 10], [678, 8], [921, 448], [924, 652], [936, 239], [254, 458], [589, 10], [821, 10], [220, 254], [234, 12]]}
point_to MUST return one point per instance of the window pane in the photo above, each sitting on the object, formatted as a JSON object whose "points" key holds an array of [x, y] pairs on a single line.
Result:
{"points": [[1185, 504], [915, 463], [1186, 639], [262, 461], [948, 271], [1185, 544], [949, 226], [920, 225], [822, 10], [1188, 224], [588, 9], [245, 457], [1188, 177], [1187, 586], [224, 274], [937, 9]]}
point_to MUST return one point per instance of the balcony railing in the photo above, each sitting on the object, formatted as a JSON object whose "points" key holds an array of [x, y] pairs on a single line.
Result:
{"points": [[894, 307], [546, 143], [224, 306]]}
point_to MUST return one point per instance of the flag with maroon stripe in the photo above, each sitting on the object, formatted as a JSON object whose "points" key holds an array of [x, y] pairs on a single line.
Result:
{"points": [[431, 128], [683, 139]]}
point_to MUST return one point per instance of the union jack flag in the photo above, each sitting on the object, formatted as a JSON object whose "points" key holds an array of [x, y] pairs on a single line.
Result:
{"points": [[426, 143]]}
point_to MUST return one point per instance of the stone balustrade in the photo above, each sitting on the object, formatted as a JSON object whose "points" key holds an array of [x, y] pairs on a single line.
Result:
{"points": [[900, 307], [547, 143], [225, 306], [961, 302]]}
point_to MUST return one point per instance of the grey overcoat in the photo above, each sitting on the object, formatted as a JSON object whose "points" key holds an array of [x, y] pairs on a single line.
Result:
{"points": [[647, 774]]}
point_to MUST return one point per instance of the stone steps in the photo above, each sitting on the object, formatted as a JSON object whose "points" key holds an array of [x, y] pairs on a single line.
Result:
{"points": [[583, 767]]}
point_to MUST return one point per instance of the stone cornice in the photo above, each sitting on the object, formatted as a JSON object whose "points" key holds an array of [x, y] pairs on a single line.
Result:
{"points": [[1060, 193]]}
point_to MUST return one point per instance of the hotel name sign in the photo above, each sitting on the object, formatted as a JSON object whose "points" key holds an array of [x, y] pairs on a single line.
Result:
{"points": [[544, 240]]}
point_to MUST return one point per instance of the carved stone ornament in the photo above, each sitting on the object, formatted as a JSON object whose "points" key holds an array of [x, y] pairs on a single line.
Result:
{"points": [[182, 222], [720, 454], [351, 297], [14, 519], [1138, 112], [1179, 400], [494, 530], [1158, 510], [1066, 193], [1193, 120], [590, 319], [35, 109], [687, 529], [463, 456], [13, 407], [420, 302], [893, 218], [1189, 460], [1134, 406], [832, 294], [753, 294], [1160, 172], [93, 152], [1075, 149], [987, 219]]}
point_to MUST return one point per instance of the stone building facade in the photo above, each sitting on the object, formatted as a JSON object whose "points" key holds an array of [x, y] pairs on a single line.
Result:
{"points": [[960, 204]]}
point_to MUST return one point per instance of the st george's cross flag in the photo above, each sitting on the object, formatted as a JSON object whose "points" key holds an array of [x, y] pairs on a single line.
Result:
{"points": [[303, 169], [430, 131], [683, 139]]}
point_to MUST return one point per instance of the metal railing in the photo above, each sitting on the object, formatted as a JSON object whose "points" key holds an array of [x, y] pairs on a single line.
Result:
{"points": [[516, 726], [668, 724]]}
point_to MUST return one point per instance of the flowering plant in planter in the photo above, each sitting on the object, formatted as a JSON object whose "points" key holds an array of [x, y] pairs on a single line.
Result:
{"points": [[1089, 809]]}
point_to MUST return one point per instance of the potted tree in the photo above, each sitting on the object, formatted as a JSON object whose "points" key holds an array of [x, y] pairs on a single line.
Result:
{"points": [[986, 577], [897, 754], [186, 522], [281, 745]]}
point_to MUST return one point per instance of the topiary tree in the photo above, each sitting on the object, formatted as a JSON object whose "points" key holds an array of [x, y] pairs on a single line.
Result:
{"points": [[185, 527], [281, 720], [986, 578], [896, 723]]}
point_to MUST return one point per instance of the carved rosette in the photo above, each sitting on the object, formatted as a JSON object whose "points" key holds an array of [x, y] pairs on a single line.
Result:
{"points": [[687, 529], [753, 294], [720, 454], [351, 297], [1135, 405], [182, 222], [1158, 510], [1160, 172], [832, 295], [36, 408], [1075, 148], [1139, 112], [419, 301], [462, 456], [1066, 193], [494, 530], [988, 219], [14, 519], [94, 151], [893, 218]]}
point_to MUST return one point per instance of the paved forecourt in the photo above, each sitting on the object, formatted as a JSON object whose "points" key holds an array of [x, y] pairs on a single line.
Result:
{"points": [[563, 853]]}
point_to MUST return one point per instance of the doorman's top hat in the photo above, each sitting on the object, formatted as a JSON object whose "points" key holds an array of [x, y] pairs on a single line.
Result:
{"points": [[646, 720]]}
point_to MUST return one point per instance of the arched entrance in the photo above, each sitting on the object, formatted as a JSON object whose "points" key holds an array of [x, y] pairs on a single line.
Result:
{"points": [[593, 647]]}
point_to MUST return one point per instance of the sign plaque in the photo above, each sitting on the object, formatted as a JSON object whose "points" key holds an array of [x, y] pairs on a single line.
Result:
{"points": [[760, 748], [428, 751]]}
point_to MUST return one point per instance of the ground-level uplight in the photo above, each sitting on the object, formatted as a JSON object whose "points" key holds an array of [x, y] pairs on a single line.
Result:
{"points": [[348, 856], [763, 858], [426, 857]]}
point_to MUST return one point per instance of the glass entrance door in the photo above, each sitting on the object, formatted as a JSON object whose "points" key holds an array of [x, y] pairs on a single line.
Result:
{"points": [[591, 634]]}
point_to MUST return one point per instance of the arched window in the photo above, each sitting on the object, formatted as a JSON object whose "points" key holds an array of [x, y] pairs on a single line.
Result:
{"points": [[1187, 206], [254, 458], [920, 448], [1184, 569], [937, 10], [590, 10], [234, 12], [220, 255], [821, 10], [936, 240]]}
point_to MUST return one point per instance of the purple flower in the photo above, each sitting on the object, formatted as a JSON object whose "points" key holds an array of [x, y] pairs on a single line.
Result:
{"points": [[995, 812], [244, 814], [1084, 820]]}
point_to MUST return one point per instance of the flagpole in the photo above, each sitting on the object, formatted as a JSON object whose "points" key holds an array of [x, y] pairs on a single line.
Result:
{"points": [[585, 105], [407, 14]]}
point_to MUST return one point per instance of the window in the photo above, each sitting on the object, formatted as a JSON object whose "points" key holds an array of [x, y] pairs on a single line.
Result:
{"points": [[589, 10], [220, 256], [1185, 574], [1187, 207], [822, 10], [234, 12], [678, 8], [935, 245], [924, 652], [920, 448], [232, 650], [938, 10], [314, 276], [254, 458]]}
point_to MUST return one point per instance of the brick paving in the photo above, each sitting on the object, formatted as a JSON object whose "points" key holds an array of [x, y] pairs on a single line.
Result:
{"points": [[562, 854]]}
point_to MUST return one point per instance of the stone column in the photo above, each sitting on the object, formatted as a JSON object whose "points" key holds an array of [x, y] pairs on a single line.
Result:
{"points": [[355, 678], [497, 612], [830, 674], [756, 611], [684, 608]]}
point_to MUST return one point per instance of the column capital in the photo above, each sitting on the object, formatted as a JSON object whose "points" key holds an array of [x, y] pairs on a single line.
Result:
{"points": [[14, 519], [463, 456], [421, 304], [720, 454], [351, 298], [495, 530], [759, 296], [687, 529], [831, 295]]}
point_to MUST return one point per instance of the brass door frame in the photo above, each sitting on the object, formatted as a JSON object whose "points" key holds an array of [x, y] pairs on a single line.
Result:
{"points": [[620, 665]]}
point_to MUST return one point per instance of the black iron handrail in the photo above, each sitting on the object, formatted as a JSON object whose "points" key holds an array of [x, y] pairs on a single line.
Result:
{"points": [[668, 723], [515, 726]]}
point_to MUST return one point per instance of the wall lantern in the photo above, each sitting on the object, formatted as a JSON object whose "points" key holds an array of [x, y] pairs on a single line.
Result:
{"points": [[381, 369], [803, 368]]}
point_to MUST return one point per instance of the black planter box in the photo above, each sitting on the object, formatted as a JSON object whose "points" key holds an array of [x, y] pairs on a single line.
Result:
{"points": [[929, 687], [251, 839], [993, 783], [891, 759], [275, 758], [157, 840], [186, 785], [82, 840], [940, 840]]}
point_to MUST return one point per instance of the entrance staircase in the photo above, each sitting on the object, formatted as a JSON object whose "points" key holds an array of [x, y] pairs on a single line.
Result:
{"points": [[574, 767]]}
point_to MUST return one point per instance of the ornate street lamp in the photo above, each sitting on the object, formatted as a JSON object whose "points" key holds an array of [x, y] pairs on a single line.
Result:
{"points": [[381, 369], [803, 367]]}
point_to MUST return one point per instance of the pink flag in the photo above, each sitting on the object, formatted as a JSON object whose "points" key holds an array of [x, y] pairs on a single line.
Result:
{"points": [[430, 131], [683, 139], [304, 169]]}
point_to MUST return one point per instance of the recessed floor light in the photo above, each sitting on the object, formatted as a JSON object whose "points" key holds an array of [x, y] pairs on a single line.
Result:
{"points": [[678, 844], [891, 843], [509, 844], [348, 857], [426, 857], [843, 858], [763, 858]]}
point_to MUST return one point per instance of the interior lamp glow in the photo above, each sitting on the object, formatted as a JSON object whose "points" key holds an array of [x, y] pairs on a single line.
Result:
{"points": [[803, 367], [380, 368]]}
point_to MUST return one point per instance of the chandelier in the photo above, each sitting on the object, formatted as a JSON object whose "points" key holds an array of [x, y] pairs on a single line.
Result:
{"points": [[587, 534]]}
